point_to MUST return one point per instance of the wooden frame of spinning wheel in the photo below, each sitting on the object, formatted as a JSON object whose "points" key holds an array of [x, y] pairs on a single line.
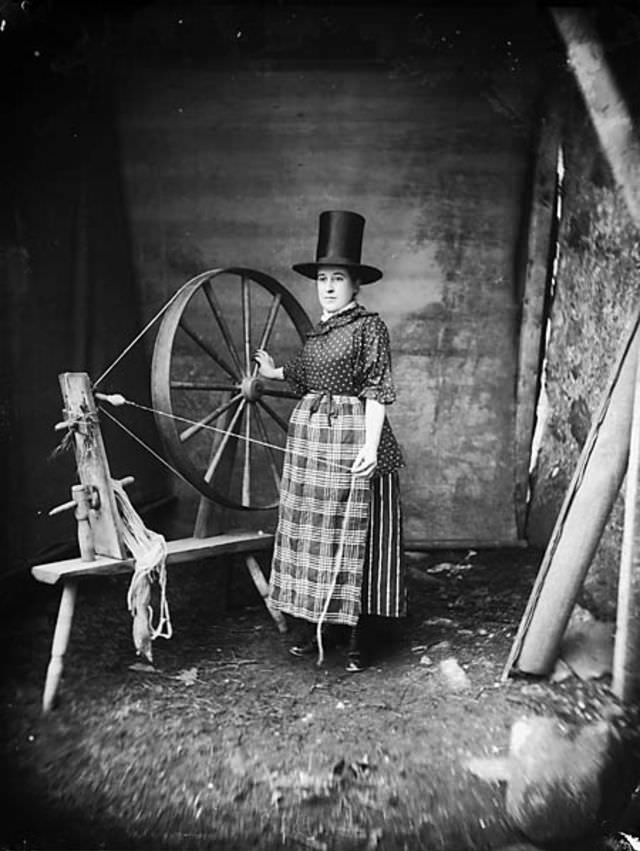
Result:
{"points": [[99, 532]]}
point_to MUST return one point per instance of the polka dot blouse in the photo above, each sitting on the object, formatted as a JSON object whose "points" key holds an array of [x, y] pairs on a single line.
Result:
{"points": [[350, 354]]}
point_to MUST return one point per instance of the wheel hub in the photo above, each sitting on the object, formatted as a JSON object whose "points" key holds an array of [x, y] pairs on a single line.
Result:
{"points": [[252, 389]]}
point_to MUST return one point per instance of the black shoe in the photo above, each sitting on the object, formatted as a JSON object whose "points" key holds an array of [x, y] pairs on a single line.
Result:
{"points": [[355, 656], [308, 648], [355, 663]]}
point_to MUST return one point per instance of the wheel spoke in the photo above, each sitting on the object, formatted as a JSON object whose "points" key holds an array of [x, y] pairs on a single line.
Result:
{"points": [[280, 394], [207, 349], [246, 469], [246, 324], [214, 304], [211, 469], [274, 415], [264, 437], [224, 469], [268, 326], [202, 385], [196, 427]]}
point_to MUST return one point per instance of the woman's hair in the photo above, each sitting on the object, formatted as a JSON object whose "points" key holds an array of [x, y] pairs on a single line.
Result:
{"points": [[356, 281]]}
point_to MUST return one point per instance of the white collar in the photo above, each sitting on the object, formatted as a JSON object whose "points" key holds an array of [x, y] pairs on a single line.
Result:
{"points": [[326, 315]]}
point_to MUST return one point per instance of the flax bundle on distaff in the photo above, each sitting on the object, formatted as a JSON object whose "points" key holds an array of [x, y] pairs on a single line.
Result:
{"points": [[338, 544]]}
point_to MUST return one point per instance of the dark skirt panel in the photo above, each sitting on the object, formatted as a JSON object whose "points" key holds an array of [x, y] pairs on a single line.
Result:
{"points": [[383, 582]]}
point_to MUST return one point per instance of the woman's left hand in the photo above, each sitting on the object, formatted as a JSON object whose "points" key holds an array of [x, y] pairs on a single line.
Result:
{"points": [[366, 462]]}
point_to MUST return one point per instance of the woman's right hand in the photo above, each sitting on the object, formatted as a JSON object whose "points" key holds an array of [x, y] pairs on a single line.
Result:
{"points": [[266, 364]]}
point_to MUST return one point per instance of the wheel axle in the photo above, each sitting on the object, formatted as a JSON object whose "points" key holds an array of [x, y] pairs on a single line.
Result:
{"points": [[252, 388]]}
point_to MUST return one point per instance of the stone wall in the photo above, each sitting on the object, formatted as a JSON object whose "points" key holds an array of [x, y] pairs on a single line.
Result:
{"points": [[597, 291]]}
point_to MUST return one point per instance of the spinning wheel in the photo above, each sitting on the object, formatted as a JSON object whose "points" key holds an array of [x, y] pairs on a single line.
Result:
{"points": [[215, 414]]}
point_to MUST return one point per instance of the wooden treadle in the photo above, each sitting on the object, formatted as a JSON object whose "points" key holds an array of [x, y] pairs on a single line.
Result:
{"points": [[182, 550]]}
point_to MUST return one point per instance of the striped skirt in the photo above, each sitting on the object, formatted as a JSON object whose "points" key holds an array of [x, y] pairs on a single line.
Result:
{"points": [[338, 544], [383, 583]]}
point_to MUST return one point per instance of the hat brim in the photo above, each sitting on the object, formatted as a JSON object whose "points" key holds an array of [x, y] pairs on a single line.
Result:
{"points": [[366, 274]]}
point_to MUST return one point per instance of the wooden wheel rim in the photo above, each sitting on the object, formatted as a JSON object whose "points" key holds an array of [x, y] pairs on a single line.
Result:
{"points": [[161, 382]]}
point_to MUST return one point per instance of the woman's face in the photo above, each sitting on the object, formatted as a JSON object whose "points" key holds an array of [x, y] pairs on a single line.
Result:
{"points": [[336, 288]]}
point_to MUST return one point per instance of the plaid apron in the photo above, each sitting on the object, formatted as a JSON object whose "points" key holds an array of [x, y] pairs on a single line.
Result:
{"points": [[321, 506]]}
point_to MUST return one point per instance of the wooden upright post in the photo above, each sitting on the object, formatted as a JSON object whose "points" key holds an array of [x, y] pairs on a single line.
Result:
{"points": [[534, 289], [91, 460], [626, 655]]}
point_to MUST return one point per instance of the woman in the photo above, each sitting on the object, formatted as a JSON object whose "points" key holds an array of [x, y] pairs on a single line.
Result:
{"points": [[338, 544]]}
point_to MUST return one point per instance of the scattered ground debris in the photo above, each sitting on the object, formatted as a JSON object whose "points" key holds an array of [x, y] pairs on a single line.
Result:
{"points": [[587, 647], [453, 675], [228, 742]]}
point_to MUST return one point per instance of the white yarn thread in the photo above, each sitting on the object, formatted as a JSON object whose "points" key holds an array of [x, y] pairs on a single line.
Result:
{"points": [[149, 551], [338, 562]]}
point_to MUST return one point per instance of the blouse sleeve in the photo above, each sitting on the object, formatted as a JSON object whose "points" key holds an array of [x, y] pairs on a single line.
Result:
{"points": [[294, 374], [377, 380]]}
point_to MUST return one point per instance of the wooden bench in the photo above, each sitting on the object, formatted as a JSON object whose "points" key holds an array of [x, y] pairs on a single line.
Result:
{"points": [[179, 551], [182, 550]]}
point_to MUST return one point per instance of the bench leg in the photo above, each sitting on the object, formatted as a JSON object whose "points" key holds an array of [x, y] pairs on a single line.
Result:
{"points": [[261, 584], [60, 643]]}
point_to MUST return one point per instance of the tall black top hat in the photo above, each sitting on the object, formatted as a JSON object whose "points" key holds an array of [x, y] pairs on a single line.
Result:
{"points": [[340, 244]]}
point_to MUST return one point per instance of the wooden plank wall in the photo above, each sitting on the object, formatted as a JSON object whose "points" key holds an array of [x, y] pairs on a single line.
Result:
{"points": [[231, 165]]}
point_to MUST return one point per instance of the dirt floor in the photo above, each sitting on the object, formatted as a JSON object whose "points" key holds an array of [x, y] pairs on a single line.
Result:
{"points": [[230, 742]]}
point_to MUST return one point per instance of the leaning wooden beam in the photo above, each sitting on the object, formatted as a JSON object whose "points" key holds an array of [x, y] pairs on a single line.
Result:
{"points": [[602, 464], [626, 656], [604, 102], [580, 523]]}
